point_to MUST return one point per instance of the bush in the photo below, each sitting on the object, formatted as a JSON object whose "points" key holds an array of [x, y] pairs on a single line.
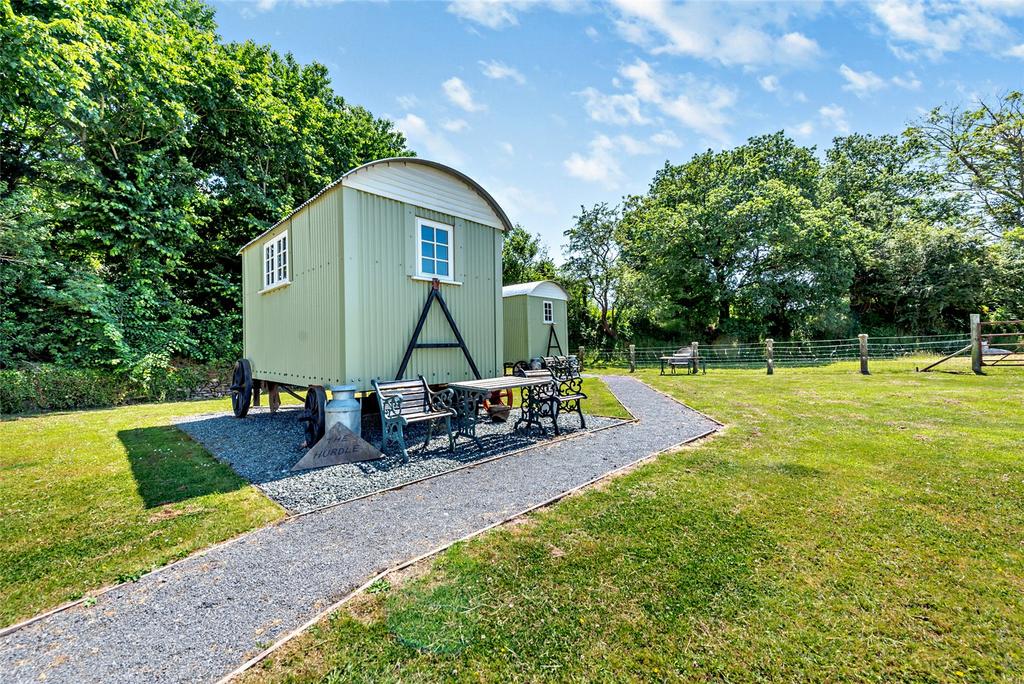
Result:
{"points": [[55, 388]]}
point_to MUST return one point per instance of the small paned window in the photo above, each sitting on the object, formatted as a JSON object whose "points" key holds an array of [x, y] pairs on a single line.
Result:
{"points": [[434, 253], [275, 261], [549, 312]]}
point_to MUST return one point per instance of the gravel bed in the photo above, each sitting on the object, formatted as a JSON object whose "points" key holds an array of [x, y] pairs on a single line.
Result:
{"points": [[264, 446], [200, 618]]}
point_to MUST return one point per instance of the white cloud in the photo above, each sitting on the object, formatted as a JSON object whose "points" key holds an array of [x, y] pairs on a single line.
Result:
{"points": [[835, 116], [861, 83], [460, 95], [421, 135], [264, 5], [507, 148], [455, 125], [769, 83], [614, 109], [935, 29], [743, 34], [518, 201], [1016, 51], [498, 70], [631, 146], [805, 129], [591, 33], [704, 110], [407, 101], [499, 14], [494, 14], [911, 82], [698, 104], [666, 139], [646, 84], [601, 163], [598, 166]]}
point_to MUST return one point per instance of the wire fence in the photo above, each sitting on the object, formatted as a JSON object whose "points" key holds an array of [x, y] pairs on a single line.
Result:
{"points": [[787, 353]]}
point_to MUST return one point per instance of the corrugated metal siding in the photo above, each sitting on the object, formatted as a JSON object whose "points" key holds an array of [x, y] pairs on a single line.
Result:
{"points": [[540, 331], [423, 186], [383, 302], [516, 329], [293, 334]]}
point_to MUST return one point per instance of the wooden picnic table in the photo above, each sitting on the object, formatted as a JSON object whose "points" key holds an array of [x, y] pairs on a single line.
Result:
{"points": [[471, 393]]}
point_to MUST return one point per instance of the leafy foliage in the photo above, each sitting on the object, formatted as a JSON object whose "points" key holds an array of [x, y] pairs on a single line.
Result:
{"points": [[137, 153]]}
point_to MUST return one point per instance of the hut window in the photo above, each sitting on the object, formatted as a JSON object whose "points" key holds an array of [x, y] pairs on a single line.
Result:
{"points": [[549, 312], [275, 261], [434, 255]]}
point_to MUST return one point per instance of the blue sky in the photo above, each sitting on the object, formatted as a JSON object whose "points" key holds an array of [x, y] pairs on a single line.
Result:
{"points": [[554, 104]]}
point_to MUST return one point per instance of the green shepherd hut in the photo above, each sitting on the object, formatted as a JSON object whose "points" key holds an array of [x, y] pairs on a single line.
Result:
{"points": [[536, 321], [391, 271]]}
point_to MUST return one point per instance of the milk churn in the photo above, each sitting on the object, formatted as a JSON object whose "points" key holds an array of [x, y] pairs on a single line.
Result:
{"points": [[343, 408]]}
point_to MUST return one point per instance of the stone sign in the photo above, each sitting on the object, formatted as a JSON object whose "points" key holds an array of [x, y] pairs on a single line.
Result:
{"points": [[339, 445]]}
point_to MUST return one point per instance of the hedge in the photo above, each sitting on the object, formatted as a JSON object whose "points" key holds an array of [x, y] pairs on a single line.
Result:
{"points": [[54, 388]]}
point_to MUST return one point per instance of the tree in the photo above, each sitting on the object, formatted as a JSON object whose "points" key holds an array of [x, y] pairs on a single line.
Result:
{"points": [[735, 242], [980, 152], [592, 259], [137, 153], [918, 260], [524, 259]]}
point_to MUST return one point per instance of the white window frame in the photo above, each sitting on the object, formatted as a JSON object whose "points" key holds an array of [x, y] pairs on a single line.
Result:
{"points": [[276, 266], [436, 225], [549, 311]]}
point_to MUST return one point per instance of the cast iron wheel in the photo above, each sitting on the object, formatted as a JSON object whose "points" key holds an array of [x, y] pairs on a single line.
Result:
{"points": [[241, 388], [313, 415]]}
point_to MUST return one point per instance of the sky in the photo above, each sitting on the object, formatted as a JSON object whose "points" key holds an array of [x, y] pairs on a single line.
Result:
{"points": [[554, 104]]}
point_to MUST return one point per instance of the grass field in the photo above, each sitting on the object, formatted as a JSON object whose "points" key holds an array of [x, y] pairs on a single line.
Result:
{"points": [[841, 528], [89, 498]]}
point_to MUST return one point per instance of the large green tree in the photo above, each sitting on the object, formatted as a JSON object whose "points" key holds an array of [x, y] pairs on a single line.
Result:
{"points": [[524, 258], [737, 242], [919, 262], [137, 153], [980, 152]]}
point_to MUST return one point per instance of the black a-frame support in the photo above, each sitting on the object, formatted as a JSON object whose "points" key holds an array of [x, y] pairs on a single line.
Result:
{"points": [[553, 336], [414, 343]]}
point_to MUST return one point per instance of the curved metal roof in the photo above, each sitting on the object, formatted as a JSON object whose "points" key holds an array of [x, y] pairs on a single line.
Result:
{"points": [[541, 288], [486, 196]]}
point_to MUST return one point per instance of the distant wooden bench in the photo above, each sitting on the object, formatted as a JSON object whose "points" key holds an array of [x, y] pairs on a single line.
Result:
{"points": [[683, 356], [565, 393], [407, 402]]}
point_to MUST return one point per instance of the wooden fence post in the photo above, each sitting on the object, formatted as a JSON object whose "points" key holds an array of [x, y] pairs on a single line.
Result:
{"points": [[632, 358], [863, 353], [579, 356], [769, 354], [976, 343]]}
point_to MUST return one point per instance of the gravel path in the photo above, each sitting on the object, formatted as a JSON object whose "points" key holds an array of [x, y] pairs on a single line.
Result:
{"points": [[199, 619], [264, 447]]}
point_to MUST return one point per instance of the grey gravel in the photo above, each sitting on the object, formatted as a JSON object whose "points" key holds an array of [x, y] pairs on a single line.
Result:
{"points": [[199, 619], [264, 446]]}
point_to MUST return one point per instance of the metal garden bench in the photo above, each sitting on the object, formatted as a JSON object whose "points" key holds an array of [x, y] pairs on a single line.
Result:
{"points": [[565, 393], [406, 402]]}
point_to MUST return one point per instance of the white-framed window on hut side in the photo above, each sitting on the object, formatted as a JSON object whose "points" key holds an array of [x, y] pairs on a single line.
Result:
{"points": [[434, 257], [549, 312], [275, 261]]}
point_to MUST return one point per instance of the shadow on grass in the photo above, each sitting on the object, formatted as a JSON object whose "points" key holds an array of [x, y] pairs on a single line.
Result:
{"points": [[169, 467]]}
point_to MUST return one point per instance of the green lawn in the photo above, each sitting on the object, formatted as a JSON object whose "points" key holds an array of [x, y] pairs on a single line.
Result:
{"points": [[89, 498], [841, 528]]}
